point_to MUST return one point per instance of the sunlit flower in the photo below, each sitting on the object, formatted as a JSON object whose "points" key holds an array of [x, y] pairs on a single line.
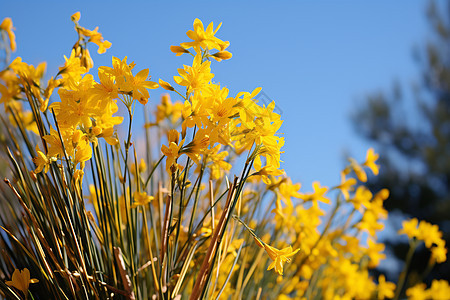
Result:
{"points": [[279, 257], [371, 158], [7, 25], [141, 198]]}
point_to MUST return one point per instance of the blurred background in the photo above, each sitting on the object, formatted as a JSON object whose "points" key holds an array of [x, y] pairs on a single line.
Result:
{"points": [[345, 76]]}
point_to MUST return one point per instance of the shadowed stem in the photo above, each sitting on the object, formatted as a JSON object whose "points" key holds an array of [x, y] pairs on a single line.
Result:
{"points": [[402, 277]]}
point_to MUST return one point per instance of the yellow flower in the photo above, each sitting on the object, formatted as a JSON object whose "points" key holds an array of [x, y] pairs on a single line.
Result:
{"points": [[83, 151], [72, 71], [279, 257], [172, 152], [204, 38], [142, 167], [440, 289], [7, 25], [375, 253], [286, 190], [346, 185], [140, 84], [371, 157], [216, 162], [361, 197], [318, 195], [141, 198], [418, 292], [21, 280], [370, 223], [168, 110], [439, 253], [94, 37], [385, 289], [42, 161], [409, 228], [359, 171], [52, 84], [197, 146], [195, 77], [429, 233]]}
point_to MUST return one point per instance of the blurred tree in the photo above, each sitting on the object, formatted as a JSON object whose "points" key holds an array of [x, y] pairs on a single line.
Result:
{"points": [[412, 134]]}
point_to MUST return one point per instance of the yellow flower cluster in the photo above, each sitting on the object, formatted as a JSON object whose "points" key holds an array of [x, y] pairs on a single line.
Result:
{"points": [[84, 37], [429, 234], [337, 250], [191, 237], [86, 110], [218, 118], [440, 289]]}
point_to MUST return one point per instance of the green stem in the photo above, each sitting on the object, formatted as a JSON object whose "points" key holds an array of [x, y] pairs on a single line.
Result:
{"points": [[248, 228], [153, 171], [402, 277]]}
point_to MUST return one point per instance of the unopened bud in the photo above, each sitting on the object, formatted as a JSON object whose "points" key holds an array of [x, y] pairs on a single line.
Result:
{"points": [[178, 50], [165, 85], [222, 55], [75, 17]]}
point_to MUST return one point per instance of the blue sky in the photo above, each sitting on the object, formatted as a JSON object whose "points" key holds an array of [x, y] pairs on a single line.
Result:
{"points": [[317, 60]]}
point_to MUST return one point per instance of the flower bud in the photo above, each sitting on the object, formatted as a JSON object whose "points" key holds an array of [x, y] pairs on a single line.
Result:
{"points": [[178, 50], [165, 85], [75, 17], [222, 55]]}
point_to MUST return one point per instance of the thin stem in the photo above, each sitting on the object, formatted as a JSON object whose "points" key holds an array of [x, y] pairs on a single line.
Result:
{"points": [[402, 277], [153, 171]]}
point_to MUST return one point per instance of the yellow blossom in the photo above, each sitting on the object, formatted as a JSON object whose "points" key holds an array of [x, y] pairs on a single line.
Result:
{"points": [[204, 38], [7, 25], [358, 169], [371, 158], [141, 198], [429, 233], [361, 197], [440, 289], [317, 195], [197, 146], [375, 253], [195, 77], [439, 253], [410, 228], [417, 292], [42, 161], [172, 152], [21, 280], [279, 257], [385, 289], [346, 185]]}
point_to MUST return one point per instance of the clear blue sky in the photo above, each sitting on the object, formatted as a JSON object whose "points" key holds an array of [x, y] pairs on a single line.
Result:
{"points": [[317, 60]]}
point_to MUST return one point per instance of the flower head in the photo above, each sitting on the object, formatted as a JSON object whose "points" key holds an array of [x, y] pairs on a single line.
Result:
{"points": [[21, 280], [7, 26], [204, 38], [279, 257]]}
